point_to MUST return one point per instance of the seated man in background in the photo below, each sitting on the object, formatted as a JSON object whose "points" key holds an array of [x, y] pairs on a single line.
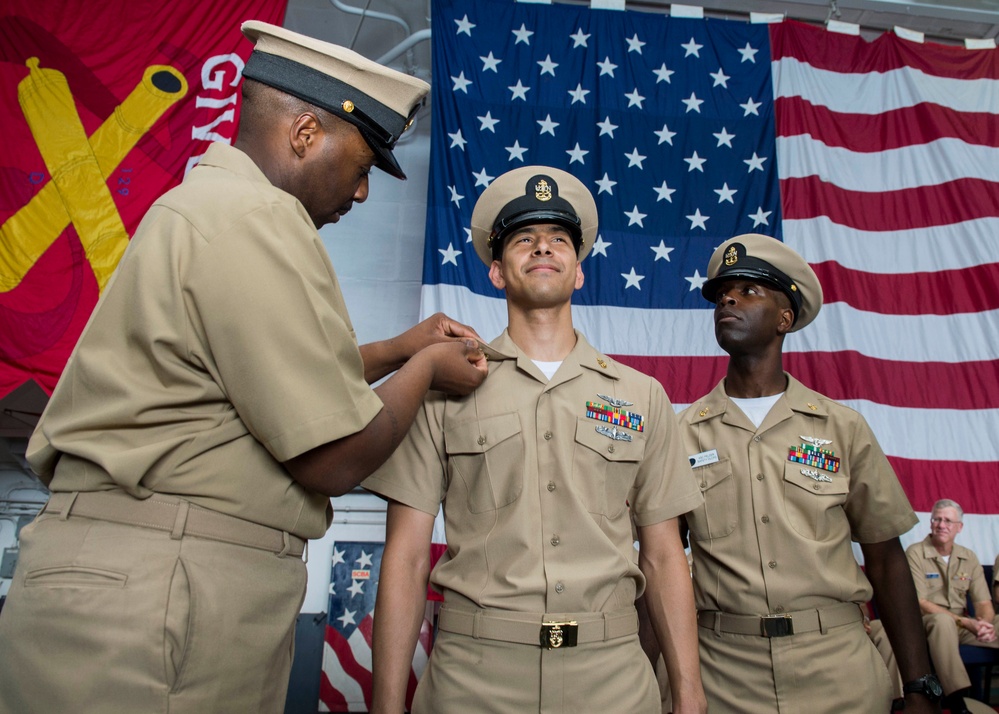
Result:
{"points": [[944, 574], [995, 586]]}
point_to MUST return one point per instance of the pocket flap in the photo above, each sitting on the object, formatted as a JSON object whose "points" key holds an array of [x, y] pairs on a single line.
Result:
{"points": [[709, 476], [816, 481], [610, 448], [477, 437]]}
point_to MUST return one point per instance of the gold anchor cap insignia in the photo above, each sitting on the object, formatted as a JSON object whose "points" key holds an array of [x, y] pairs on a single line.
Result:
{"points": [[543, 191], [731, 256]]}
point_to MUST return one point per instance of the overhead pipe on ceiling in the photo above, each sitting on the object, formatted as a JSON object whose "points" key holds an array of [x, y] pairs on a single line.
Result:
{"points": [[404, 46], [412, 39], [374, 15]]}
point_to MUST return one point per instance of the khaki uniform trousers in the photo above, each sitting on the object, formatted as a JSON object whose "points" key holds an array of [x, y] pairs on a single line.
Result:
{"points": [[114, 618], [944, 639], [832, 673], [879, 636], [466, 674]]}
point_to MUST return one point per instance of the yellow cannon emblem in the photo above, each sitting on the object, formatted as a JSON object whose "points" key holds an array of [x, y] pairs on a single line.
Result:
{"points": [[80, 166]]}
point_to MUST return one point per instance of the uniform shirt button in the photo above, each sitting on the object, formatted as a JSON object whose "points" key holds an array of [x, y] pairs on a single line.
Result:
{"points": [[610, 449], [548, 436], [757, 438], [559, 587], [759, 477], [815, 487], [772, 564], [765, 519], [551, 485], [481, 440], [779, 608], [555, 540]]}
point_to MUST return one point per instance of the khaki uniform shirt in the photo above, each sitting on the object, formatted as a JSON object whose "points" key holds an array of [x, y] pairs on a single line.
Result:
{"points": [[536, 500], [947, 584], [774, 535], [221, 348]]}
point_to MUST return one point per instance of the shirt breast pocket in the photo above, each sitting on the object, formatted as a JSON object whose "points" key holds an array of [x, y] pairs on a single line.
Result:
{"points": [[604, 469], [961, 586], [486, 456], [719, 515], [933, 586], [815, 506]]}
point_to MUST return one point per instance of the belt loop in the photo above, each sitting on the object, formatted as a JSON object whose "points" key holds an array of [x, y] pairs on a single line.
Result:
{"points": [[305, 552], [607, 633], [286, 544], [717, 626], [180, 522], [475, 623], [69, 506], [822, 626]]}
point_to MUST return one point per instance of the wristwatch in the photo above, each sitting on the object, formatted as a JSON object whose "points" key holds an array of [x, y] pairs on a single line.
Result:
{"points": [[928, 685]]}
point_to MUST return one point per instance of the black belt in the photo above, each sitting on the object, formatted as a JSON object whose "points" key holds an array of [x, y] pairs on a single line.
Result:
{"points": [[783, 624]]}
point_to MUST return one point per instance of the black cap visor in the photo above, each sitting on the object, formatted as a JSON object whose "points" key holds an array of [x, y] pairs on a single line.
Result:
{"points": [[509, 223], [755, 269]]}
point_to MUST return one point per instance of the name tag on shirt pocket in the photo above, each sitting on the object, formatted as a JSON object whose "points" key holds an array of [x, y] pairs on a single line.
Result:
{"points": [[705, 458], [933, 576]]}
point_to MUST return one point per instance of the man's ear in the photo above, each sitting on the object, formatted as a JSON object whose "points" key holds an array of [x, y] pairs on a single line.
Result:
{"points": [[785, 321], [496, 275], [579, 276], [303, 132]]}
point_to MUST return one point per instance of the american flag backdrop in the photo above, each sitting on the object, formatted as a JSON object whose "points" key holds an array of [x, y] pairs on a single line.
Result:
{"points": [[877, 161], [345, 684]]}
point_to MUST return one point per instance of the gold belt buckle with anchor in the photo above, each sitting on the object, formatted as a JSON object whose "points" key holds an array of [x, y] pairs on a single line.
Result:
{"points": [[555, 635]]}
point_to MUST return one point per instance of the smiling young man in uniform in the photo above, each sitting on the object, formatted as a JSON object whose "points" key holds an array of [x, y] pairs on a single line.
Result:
{"points": [[790, 478], [540, 473]]}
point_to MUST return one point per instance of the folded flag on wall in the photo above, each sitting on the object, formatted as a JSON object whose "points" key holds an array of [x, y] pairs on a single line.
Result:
{"points": [[345, 685]]}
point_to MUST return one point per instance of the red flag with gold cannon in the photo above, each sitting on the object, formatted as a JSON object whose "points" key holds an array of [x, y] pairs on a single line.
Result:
{"points": [[103, 107]]}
